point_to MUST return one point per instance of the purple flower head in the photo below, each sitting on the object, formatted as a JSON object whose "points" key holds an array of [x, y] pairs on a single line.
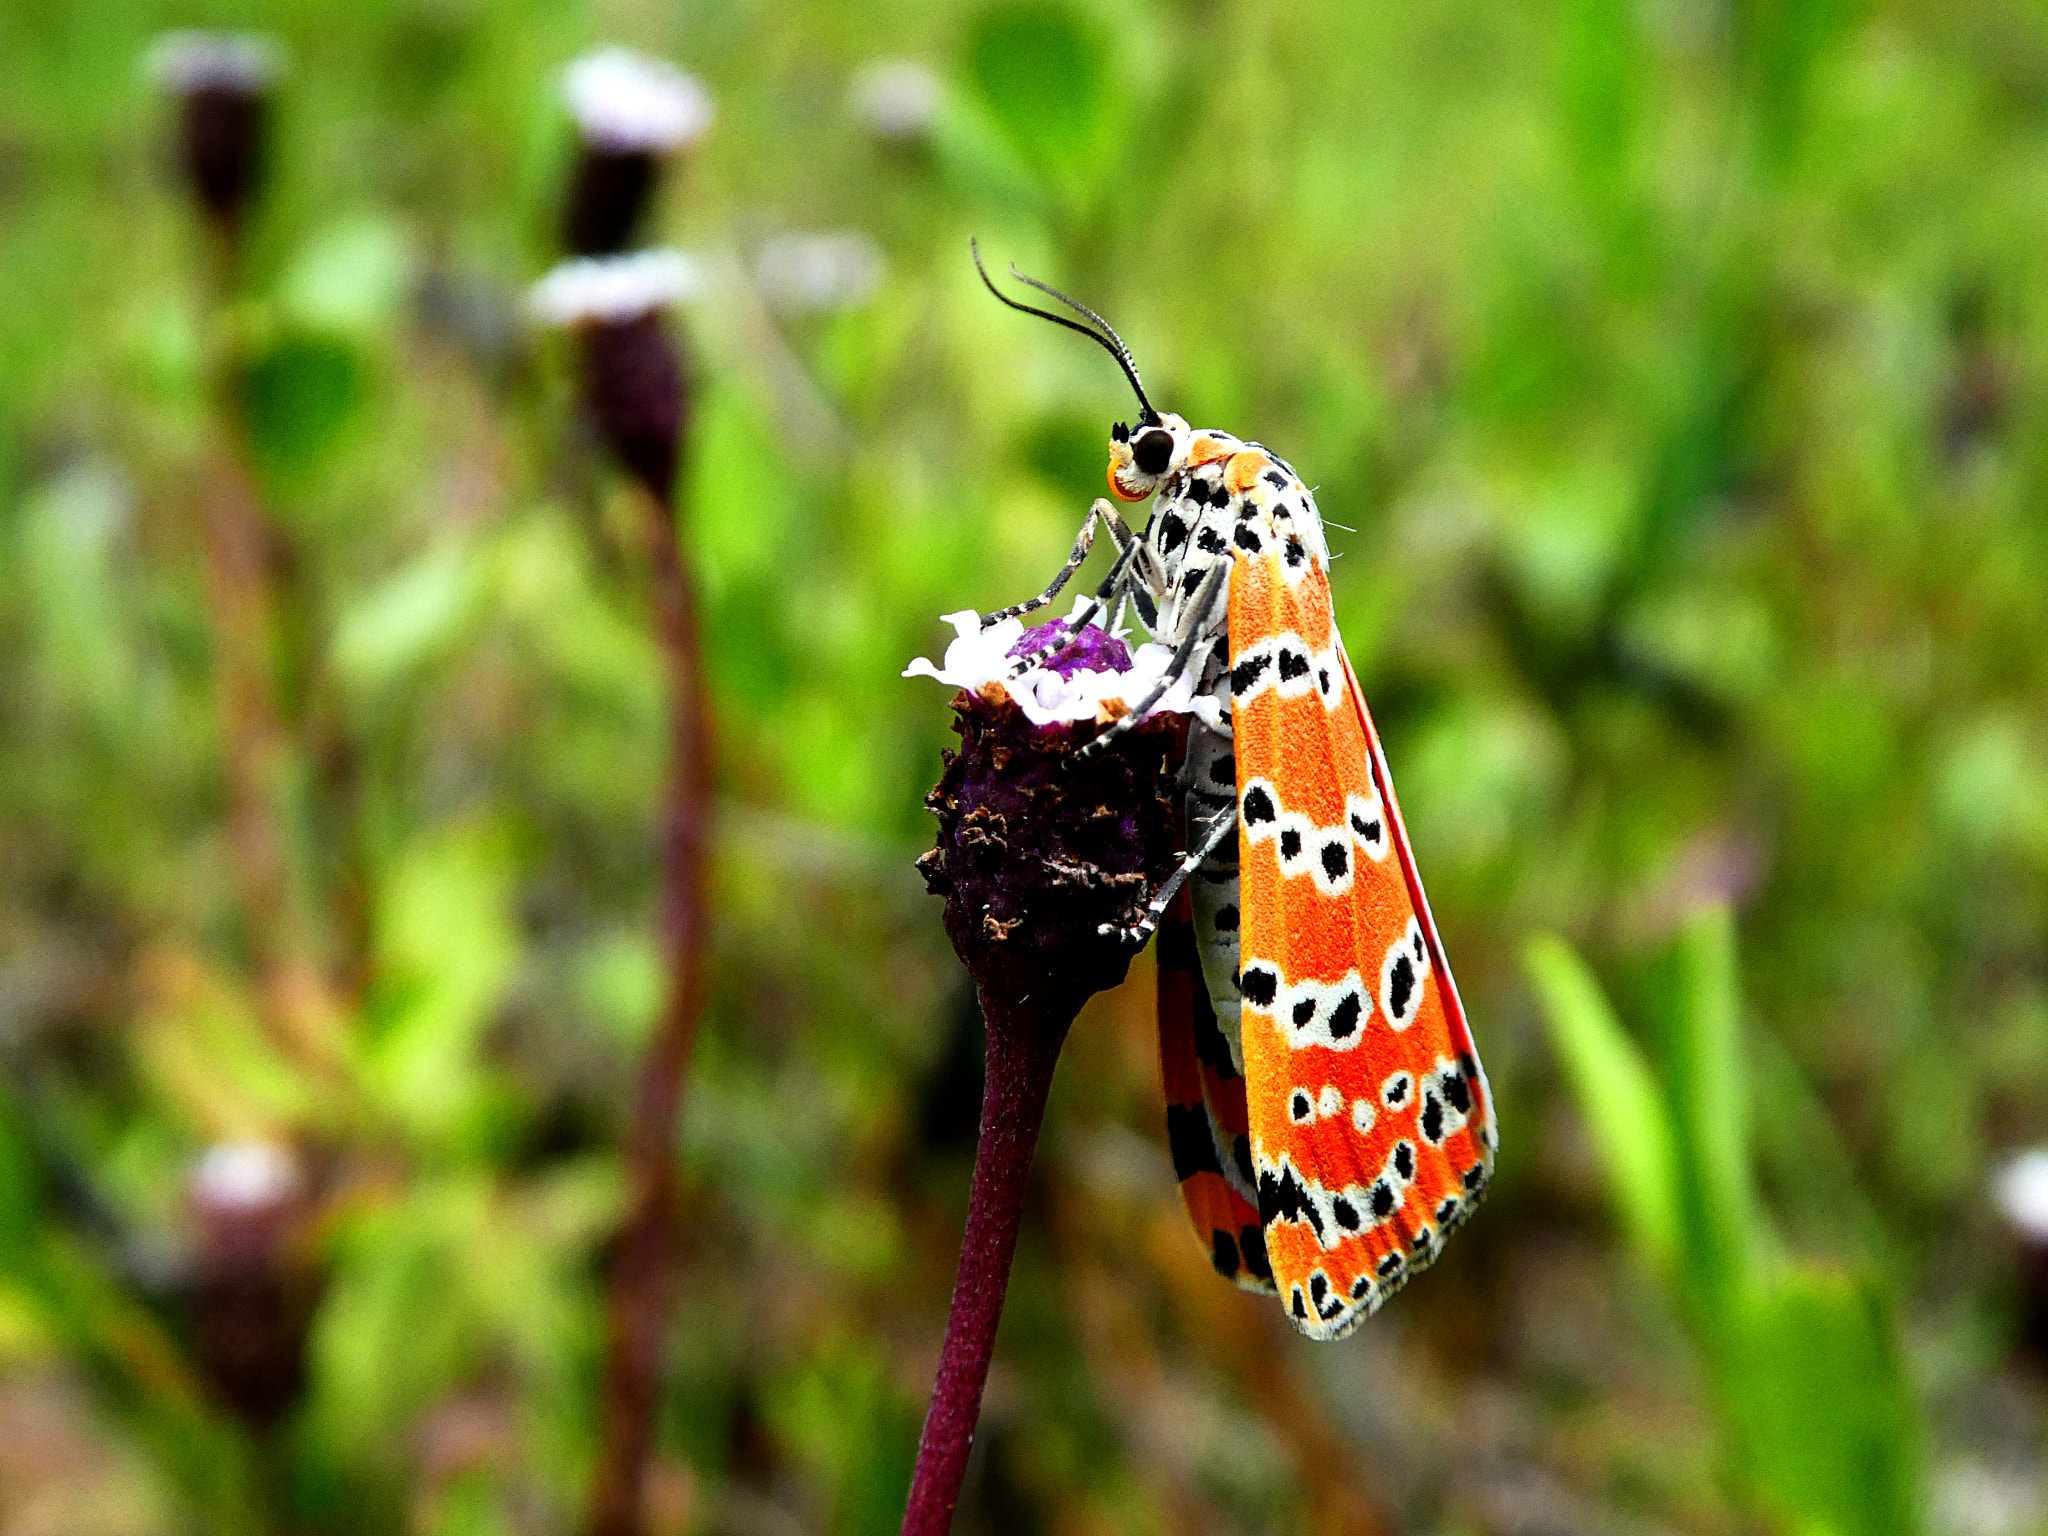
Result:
{"points": [[1092, 649], [1040, 847], [632, 113], [255, 1280], [222, 83], [635, 374]]}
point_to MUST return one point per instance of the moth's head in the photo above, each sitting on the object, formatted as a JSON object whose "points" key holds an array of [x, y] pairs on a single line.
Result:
{"points": [[1141, 456]]}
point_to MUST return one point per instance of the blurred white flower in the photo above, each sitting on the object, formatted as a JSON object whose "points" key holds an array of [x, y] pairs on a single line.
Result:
{"points": [[244, 1175], [625, 101], [978, 657], [896, 98], [196, 59], [805, 273], [2021, 1190], [595, 288]]}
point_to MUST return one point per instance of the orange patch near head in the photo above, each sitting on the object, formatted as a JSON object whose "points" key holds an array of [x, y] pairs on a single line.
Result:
{"points": [[1245, 469]]}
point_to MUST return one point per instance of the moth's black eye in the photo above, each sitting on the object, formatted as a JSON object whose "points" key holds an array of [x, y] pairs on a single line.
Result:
{"points": [[1153, 450], [1119, 433]]}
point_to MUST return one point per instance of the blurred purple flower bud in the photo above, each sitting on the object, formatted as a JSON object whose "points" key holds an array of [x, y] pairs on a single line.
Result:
{"points": [[2020, 1191], [808, 274], [896, 99], [635, 383], [222, 81], [254, 1282], [631, 112]]}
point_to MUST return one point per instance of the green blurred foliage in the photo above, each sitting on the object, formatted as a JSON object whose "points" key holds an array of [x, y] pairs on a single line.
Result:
{"points": [[1804, 1361], [1672, 369]]}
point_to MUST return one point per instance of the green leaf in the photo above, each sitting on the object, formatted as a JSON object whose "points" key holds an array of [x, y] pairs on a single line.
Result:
{"points": [[298, 395], [1710, 1115], [1825, 1419], [1044, 73], [446, 946], [350, 279], [1616, 1093], [413, 616]]}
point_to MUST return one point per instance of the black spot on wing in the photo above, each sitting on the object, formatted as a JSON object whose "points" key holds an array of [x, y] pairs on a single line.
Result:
{"points": [[1345, 1212], [1173, 533], [1303, 1011], [1192, 579], [1336, 860], [1383, 1200], [1296, 552], [1400, 987], [1193, 1147], [1226, 919], [1260, 985], [1293, 664], [1224, 1255], [1290, 844], [1458, 1092], [1247, 538], [1210, 541], [1251, 1242], [1258, 806], [1223, 770], [1282, 1198], [1176, 951], [1241, 1154], [1344, 1018], [1246, 674], [1404, 1159], [1432, 1119], [1275, 479]]}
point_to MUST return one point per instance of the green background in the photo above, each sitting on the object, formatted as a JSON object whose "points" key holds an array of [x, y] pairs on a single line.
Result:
{"points": [[1673, 369]]}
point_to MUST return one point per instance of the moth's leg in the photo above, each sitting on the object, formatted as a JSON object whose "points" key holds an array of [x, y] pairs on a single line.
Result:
{"points": [[1120, 531], [1212, 838], [1113, 583], [1197, 636]]}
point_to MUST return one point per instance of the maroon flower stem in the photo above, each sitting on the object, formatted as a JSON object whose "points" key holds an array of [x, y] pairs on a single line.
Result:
{"points": [[643, 1262], [296, 1005], [293, 999], [1023, 1047]]}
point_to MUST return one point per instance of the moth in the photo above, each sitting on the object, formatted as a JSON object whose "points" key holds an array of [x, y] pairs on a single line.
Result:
{"points": [[1329, 1120]]}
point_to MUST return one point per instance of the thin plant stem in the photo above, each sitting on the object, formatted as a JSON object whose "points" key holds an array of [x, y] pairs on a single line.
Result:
{"points": [[294, 1001], [643, 1268], [1023, 1048]]}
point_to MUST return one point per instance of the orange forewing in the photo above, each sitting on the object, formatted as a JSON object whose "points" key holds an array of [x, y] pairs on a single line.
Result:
{"points": [[1343, 1225]]}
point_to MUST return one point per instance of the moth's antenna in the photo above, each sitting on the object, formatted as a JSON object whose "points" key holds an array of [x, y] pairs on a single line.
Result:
{"points": [[1111, 343]]}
